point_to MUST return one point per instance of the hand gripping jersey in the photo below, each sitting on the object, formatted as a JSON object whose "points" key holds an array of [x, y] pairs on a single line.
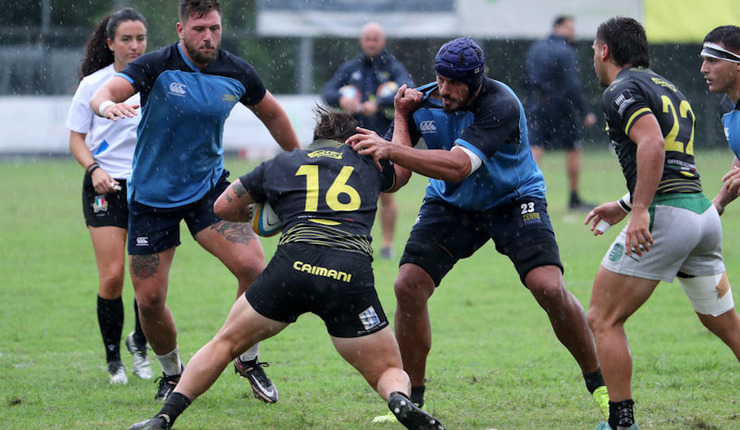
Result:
{"points": [[494, 128], [325, 194], [731, 123], [179, 151], [637, 92]]}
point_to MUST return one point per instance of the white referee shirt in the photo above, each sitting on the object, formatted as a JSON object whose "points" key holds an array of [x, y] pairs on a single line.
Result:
{"points": [[111, 143]]}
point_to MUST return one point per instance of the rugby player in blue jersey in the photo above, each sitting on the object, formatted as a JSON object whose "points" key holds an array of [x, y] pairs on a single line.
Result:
{"points": [[721, 69], [484, 185], [187, 91]]}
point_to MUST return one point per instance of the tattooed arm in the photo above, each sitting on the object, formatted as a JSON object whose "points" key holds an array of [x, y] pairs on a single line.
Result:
{"points": [[233, 204]]}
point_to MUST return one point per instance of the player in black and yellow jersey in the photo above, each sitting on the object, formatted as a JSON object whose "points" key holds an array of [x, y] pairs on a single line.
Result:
{"points": [[326, 197], [673, 230]]}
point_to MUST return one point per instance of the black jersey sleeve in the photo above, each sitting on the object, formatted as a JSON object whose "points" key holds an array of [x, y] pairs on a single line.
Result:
{"points": [[496, 120], [238, 68], [254, 182], [388, 173], [624, 104], [144, 71]]}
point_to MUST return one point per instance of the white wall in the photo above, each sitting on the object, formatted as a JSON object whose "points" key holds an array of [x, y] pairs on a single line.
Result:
{"points": [[35, 125]]}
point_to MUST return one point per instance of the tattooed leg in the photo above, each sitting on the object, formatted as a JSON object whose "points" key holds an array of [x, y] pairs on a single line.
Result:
{"points": [[238, 247], [149, 274]]}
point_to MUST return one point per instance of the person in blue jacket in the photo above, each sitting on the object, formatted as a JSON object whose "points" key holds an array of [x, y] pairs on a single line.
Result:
{"points": [[364, 87], [557, 107]]}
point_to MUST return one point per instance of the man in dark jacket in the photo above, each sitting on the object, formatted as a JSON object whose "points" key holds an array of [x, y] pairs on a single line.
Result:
{"points": [[364, 87], [555, 101]]}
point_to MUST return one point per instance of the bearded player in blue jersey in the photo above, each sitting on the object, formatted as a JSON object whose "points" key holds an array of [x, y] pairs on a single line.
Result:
{"points": [[484, 185], [187, 91]]}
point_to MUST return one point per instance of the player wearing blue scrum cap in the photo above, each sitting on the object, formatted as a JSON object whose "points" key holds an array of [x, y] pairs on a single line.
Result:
{"points": [[484, 185]]}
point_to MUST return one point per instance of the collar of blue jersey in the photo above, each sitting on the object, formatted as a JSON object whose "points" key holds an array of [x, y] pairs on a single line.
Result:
{"points": [[427, 90], [712, 50], [187, 60]]}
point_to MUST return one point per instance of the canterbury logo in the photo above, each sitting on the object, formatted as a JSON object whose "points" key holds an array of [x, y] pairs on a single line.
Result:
{"points": [[142, 241], [177, 89], [427, 127]]}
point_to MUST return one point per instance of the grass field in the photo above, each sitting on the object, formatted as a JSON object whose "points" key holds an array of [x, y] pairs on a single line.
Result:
{"points": [[495, 363]]}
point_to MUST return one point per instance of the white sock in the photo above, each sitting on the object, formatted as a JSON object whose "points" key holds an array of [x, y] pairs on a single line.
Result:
{"points": [[251, 353], [170, 362]]}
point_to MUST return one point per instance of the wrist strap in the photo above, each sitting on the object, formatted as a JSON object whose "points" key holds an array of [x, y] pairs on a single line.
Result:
{"points": [[91, 168], [103, 106], [625, 203]]}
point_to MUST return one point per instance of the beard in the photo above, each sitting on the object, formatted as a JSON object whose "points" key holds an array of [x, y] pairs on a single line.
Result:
{"points": [[455, 104], [199, 56]]}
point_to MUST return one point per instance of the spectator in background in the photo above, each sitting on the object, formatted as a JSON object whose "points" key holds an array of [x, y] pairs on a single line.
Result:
{"points": [[364, 87], [557, 105], [105, 149], [188, 89]]}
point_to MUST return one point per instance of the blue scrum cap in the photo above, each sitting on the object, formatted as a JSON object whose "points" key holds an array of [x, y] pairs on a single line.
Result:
{"points": [[461, 59]]}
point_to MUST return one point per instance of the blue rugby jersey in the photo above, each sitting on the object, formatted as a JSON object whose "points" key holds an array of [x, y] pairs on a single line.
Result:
{"points": [[731, 123], [179, 150], [494, 128]]}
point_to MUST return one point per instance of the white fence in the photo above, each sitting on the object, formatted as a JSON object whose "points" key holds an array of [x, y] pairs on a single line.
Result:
{"points": [[34, 125]]}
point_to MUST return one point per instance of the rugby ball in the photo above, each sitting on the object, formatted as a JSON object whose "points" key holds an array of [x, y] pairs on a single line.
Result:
{"points": [[388, 88], [350, 91], [263, 219]]}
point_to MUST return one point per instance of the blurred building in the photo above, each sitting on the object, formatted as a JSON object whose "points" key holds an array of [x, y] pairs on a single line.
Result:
{"points": [[296, 45]]}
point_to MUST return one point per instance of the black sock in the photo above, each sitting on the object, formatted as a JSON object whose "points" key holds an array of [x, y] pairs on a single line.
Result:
{"points": [[110, 319], [621, 414], [175, 405], [593, 380], [417, 395], [574, 198], [139, 337]]}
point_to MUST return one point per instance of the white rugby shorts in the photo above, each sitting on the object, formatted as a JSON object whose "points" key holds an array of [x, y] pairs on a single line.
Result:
{"points": [[684, 241]]}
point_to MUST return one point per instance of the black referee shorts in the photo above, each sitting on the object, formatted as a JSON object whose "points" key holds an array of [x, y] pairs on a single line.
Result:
{"points": [[106, 210]]}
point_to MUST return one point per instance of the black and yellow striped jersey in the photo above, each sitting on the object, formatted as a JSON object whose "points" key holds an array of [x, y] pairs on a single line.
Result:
{"points": [[637, 92], [324, 195]]}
